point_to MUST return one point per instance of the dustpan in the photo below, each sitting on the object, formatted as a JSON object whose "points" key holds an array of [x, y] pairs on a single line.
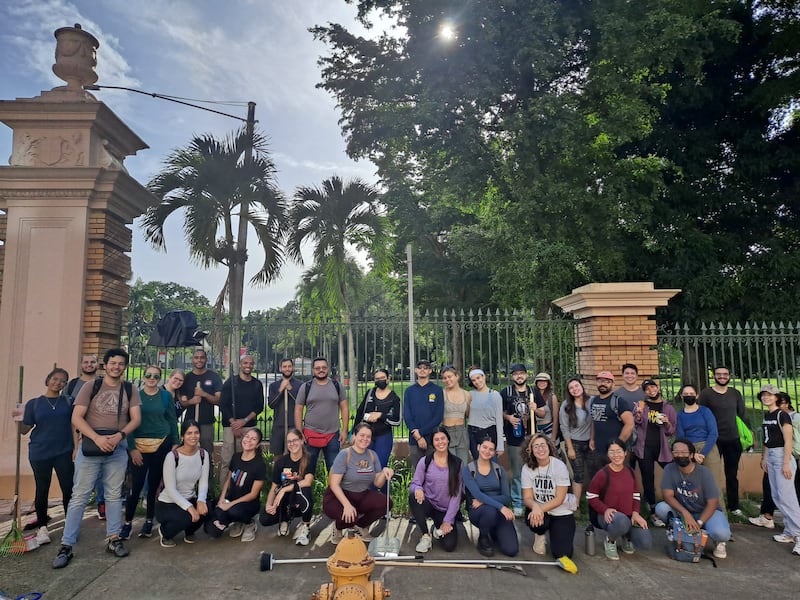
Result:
{"points": [[385, 546]]}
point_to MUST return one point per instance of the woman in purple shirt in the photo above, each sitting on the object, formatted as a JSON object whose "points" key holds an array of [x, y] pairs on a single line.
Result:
{"points": [[435, 492]]}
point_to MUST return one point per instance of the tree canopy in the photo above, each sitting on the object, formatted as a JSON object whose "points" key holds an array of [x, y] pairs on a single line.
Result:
{"points": [[544, 144]]}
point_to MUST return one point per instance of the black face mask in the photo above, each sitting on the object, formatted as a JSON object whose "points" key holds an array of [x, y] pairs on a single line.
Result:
{"points": [[689, 400], [683, 461], [381, 385]]}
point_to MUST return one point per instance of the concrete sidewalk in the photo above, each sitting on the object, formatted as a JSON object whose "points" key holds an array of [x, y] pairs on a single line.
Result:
{"points": [[756, 567]]}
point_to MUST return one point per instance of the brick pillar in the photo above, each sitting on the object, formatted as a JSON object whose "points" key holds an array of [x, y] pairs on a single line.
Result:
{"points": [[615, 327]]}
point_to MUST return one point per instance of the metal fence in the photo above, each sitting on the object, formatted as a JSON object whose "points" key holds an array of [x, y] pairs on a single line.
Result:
{"points": [[491, 339]]}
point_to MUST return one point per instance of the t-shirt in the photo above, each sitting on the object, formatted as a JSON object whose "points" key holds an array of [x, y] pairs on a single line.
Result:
{"points": [[357, 470], [286, 471], [726, 407], [210, 383], [692, 490], [582, 430], [158, 418], [243, 474], [633, 397], [544, 481], [772, 427], [51, 419], [180, 482], [322, 406], [249, 398], [102, 410], [517, 403], [607, 425], [486, 410]]}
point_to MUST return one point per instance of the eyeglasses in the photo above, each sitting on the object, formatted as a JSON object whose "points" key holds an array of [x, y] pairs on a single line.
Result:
{"points": [[539, 446], [616, 451], [152, 376], [293, 441]]}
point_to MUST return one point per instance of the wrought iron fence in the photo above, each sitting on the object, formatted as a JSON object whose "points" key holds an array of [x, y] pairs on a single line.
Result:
{"points": [[491, 339]]}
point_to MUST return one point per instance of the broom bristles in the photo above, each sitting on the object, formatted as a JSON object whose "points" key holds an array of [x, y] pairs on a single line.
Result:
{"points": [[566, 563]]}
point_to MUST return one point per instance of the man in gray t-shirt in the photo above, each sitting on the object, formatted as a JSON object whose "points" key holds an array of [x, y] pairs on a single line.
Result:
{"points": [[323, 400]]}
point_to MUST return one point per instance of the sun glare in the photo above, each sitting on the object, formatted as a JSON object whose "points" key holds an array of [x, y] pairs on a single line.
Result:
{"points": [[447, 32]]}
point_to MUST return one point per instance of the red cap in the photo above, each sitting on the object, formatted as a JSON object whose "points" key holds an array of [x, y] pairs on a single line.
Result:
{"points": [[605, 375]]}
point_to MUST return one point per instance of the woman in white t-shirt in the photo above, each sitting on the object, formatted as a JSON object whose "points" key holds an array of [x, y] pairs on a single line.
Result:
{"points": [[545, 485]]}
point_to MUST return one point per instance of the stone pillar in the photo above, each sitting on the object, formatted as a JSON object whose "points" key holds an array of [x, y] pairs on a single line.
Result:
{"points": [[68, 203], [615, 327]]}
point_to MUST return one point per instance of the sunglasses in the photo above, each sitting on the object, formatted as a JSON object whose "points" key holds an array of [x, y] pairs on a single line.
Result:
{"points": [[151, 376]]}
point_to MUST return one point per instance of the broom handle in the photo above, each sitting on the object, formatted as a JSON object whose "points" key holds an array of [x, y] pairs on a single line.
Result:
{"points": [[19, 449], [435, 565]]}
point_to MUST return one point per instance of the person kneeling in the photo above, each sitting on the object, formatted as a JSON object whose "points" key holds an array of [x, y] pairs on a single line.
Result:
{"points": [[690, 493]]}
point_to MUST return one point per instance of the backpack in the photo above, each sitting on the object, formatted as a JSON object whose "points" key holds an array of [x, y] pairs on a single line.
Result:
{"points": [[685, 546], [310, 381], [473, 469], [745, 435], [175, 454], [98, 382], [614, 404], [796, 435]]}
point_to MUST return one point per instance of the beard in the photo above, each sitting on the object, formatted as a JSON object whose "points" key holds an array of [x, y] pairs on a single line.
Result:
{"points": [[720, 383]]}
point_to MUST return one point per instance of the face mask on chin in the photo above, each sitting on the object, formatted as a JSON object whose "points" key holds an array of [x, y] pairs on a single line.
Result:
{"points": [[683, 461]]}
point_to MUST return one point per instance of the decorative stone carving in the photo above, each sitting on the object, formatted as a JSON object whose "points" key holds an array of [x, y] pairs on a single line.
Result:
{"points": [[76, 57], [48, 151]]}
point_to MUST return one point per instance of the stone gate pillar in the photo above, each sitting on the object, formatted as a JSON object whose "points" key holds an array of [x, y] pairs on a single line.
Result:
{"points": [[68, 202], [615, 327]]}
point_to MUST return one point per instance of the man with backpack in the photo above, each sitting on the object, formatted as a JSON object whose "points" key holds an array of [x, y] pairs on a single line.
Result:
{"points": [[612, 418], [104, 414]]}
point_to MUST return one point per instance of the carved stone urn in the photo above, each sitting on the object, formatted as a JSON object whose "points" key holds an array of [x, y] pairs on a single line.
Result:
{"points": [[76, 57]]}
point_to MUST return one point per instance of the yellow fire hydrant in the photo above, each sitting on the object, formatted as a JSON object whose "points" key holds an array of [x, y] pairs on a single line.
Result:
{"points": [[350, 568]]}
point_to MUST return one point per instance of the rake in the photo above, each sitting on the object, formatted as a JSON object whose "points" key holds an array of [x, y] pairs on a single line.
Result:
{"points": [[13, 543]]}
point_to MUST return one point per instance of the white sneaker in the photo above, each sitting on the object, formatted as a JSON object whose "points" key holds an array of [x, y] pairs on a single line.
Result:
{"points": [[539, 543], [301, 535], [42, 535], [283, 528], [337, 535], [249, 531], [783, 538], [762, 521], [363, 533], [721, 551], [236, 529], [796, 549], [424, 544]]}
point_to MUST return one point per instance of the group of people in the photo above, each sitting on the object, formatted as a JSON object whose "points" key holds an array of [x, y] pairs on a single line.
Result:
{"points": [[556, 452]]}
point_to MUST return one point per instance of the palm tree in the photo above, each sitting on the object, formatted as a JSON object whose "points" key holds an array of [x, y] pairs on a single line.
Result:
{"points": [[334, 217], [211, 180]]}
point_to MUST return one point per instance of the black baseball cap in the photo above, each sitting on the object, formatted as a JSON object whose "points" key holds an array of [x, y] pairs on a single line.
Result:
{"points": [[424, 362], [517, 367], [647, 382]]}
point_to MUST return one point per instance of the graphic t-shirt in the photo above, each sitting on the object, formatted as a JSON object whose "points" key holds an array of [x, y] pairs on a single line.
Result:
{"points": [[692, 490], [243, 474], [544, 481], [102, 410], [357, 470], [607, 425], [772, 427], [286, 471]]}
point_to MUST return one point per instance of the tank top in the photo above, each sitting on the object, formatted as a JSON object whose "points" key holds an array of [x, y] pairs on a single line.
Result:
{"points": [[455, 411]]}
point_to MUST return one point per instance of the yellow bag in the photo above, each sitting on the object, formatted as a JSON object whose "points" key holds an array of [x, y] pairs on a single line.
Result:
{"points": [[149, 445]]}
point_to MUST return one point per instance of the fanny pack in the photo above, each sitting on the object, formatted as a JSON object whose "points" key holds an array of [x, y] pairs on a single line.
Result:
{"points": [[148, 445], [316, 439]]}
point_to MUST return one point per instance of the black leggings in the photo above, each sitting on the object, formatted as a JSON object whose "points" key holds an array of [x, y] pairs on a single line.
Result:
{"points": [[731, 452], [291, 506], [238, 513], [562, 533], [152, 469], [173, 519], [647, 466], [43, 475], [421, 512]]}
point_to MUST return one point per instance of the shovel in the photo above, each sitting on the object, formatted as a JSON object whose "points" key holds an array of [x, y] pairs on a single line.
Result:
{"points": [[385, 546]]}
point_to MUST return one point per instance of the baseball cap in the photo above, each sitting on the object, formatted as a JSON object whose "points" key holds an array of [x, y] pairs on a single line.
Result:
{"points": [[423, 362], [517, 367], [769, 388], [647, 382], [605, 375]]}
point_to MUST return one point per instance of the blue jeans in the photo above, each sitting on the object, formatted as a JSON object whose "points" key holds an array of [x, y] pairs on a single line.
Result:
{"points": [[87, 469], [621, 526], [783, 492], [515, 460], [717, 525], [382, 446], [330, 451]]}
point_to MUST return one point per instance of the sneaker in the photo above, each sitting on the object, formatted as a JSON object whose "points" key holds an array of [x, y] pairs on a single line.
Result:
{"points": [[737, 512], [35, 524], [188, 538], [125, 532], [214, 529], [670, 537], [236, 529], [337, 535], [485, 546], [43, 536], [363, 533], [249, 531], [762, 521], [610, 547], [721, 551], [656, 521], [539, 543], [116, 548], [437, 533], [796, 549], [167, 542], [301, 535], [518, 511], [783, 538], [63, 557], [283, 528], [101, 511], [147, 529], [628, 547], [424, 543]]}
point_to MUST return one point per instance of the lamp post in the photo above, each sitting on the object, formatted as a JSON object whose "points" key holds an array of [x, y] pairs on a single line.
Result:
{"points": [[236, 283]]}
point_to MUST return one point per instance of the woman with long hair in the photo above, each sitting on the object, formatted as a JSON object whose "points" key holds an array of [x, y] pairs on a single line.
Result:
{"points": [[350, 500], [545, 483], [488, 494], [290, 495], [239, 498], [615, 499], [381, 409], [546, 398], [172, 386], [435, 492], [148, 445], [456, 411], [51, 446], [485, 413], [576, 428], [181, 505]]}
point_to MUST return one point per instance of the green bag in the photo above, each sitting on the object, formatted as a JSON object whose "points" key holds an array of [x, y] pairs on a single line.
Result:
{"points": [[745, 435]]}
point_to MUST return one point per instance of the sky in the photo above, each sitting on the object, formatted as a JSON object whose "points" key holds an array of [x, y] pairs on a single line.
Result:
{"points": [[237, 50]]}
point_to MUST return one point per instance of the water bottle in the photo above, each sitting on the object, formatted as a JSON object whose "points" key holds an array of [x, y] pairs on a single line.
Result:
{"points": [[590, 539], [519, 430]]}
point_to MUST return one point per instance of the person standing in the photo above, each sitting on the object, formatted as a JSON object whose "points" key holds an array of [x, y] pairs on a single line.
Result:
{"points": [[104, 416], [485, 414], [547, 402], [241, 401], [172, 385], [456, 412], [200, 393], [423, 411], [726, 403], [612, 418], [576, 426], [518, 402], [323, 400], [381, 409], [281, 396], [630, 388]]}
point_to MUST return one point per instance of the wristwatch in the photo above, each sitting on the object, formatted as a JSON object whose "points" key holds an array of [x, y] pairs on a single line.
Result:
{"points": [[123, 434], [700, 522]]}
